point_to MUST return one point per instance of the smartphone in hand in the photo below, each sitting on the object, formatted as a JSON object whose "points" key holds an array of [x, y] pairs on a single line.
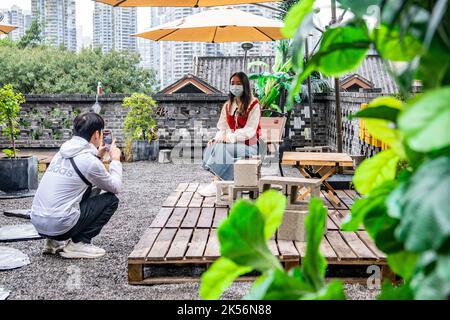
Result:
{"points": [[107, 138]]}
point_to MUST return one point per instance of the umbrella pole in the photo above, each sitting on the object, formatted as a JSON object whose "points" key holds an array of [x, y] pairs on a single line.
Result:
{"points": [[310, 97], [337, 88]]}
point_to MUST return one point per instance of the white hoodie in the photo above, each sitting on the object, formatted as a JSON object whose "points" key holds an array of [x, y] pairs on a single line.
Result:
{"points": [[56, 205]]}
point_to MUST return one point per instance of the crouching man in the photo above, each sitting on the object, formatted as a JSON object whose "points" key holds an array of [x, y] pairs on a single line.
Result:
{"points": [[65, 206]]}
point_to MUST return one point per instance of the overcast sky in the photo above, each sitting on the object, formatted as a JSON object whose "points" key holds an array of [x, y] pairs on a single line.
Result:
{"points": [[85, 8]]}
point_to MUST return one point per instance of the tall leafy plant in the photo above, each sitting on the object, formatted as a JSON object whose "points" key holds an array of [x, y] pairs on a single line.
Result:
{"points": [[243, 240], [405, 204], [270, 86], [140, 123], [10, 102]]}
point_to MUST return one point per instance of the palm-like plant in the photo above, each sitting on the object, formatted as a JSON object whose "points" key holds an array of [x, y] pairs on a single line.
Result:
{"points": [[270, 86]]}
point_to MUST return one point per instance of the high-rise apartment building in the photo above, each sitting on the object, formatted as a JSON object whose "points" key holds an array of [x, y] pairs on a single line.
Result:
{"points": [[57, 19], [19, 18], [113, 27]]}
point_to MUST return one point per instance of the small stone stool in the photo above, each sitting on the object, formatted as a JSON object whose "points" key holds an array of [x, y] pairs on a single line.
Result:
{"points": [[164, 156], [247, 172]]}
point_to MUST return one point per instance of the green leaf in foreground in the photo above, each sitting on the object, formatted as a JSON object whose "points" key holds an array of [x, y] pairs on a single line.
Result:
{"points": [[242, 239], [314, 264], [295, 17], [342, 49], [425, 123], [220, 276], [360, 7], [391, 292], [374, 171], [422, 205], [331, 291], [403, 263], [271, 204], [375, 201]]}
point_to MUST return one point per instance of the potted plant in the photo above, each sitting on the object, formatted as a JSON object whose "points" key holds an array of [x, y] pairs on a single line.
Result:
{"points": [[16, 173], [140, 128]]}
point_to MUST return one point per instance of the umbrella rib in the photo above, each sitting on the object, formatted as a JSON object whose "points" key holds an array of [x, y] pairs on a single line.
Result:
{"points": [[214, 36], [119, 3], [168, 34], [265, 34]]}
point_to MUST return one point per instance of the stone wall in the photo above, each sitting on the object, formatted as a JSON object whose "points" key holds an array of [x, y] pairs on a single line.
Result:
{"points": [[46, 120], [350, 103]]}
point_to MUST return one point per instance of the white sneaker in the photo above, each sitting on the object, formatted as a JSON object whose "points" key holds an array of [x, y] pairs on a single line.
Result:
{"points": [[53, 246], [209, 190], [81, 250]]}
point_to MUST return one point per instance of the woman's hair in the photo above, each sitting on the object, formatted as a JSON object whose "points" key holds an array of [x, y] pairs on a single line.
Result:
{"points": [[247, 95]]}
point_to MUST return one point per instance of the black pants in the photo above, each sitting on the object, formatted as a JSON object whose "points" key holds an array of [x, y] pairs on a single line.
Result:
{"points": [[95, 213]]}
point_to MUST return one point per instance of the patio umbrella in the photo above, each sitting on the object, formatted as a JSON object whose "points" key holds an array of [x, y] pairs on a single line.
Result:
{"points": [[217, 25], [178, 3], [6, 28]]}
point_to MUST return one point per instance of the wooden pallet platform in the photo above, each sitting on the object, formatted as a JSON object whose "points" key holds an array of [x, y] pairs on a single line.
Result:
{"points": [[181, 242]]}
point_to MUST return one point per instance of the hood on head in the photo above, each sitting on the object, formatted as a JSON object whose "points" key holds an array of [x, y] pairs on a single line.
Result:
{"points": [[76, 146]]}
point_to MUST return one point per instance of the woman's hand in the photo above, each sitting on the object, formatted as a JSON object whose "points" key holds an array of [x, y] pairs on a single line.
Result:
{"points": [[210, 142], [223, 139]]}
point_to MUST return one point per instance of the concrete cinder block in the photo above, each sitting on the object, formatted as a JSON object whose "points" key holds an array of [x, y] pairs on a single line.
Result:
{"points": [[223, 193], [164, 156], [247, 172], [293, 226], [238, 192]]}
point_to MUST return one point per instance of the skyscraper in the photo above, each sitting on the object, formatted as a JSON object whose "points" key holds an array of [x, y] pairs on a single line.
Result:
{"points": [[57, 19], [17, 17], [113, 27]]}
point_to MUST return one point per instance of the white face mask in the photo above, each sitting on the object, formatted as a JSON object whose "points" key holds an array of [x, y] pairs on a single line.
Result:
{"points": [[237, 90]]}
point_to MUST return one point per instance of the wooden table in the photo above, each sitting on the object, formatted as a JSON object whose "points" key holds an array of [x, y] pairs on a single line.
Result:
{"points": [[320, 165]]}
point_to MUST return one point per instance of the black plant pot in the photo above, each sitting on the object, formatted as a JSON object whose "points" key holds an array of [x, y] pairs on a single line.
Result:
{"points": [[154, 150], [140, 150], [19, 174]]}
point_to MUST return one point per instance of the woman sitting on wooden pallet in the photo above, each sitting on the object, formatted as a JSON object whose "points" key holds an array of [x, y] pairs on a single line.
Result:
{"points": [[238, 136]]}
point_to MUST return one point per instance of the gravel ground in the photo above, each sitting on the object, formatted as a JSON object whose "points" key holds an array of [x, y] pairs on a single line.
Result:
{"points": [[146, 185]]}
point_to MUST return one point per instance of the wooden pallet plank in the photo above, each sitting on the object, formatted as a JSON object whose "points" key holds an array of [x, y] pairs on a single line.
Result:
{"points": [[220, 215], [161, 244], [172, 199], [330, 223], [212, 247], [209, 202], [364, 236], [176, 218], [161, 218], [185, 199], [343, 251], [359, 247], [206, 217], [144, 244], [352, 194], [273, 247], [192, 187], [331, 202], [327, 250], [179, 244], [196, 201], [287, 249], [182, 187], [191, 218], [198, 244], [301, 248], [345, 199], [334, 216]]}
